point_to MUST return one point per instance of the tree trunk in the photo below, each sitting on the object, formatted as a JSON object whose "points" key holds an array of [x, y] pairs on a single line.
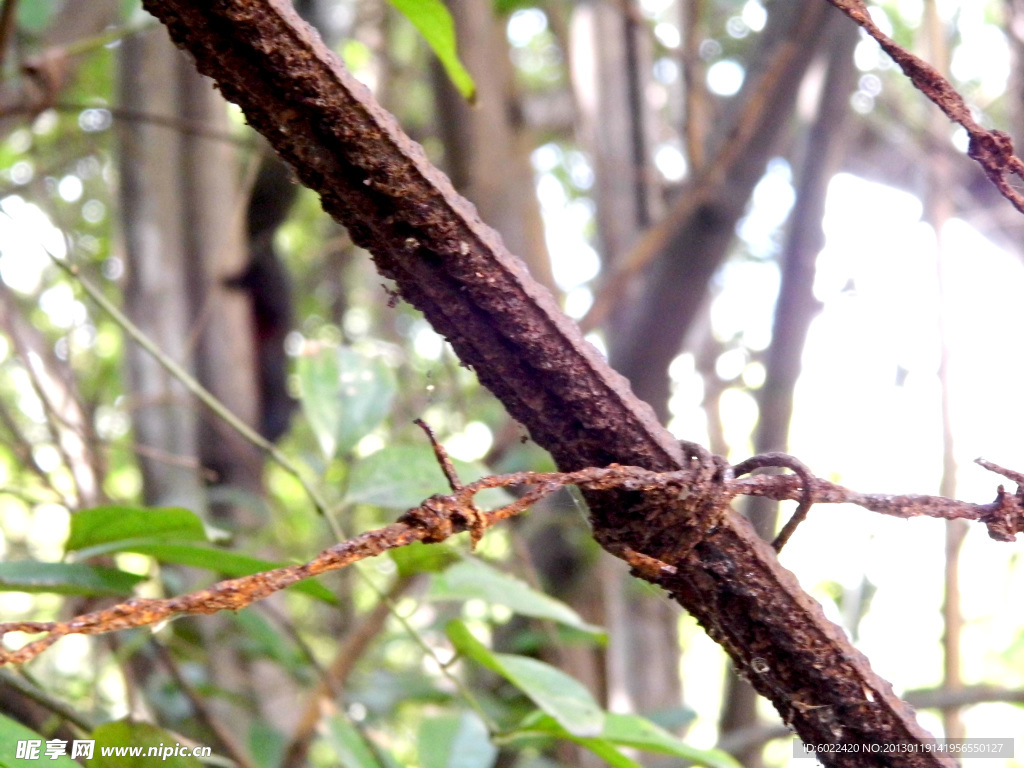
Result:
{"points": [[156, 289], [689, 245], [611, 63], [486, 147], [184, 215], [795, 309]]}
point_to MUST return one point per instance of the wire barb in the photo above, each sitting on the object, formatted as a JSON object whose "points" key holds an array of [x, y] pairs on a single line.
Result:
{"points": [[779, 459], [442, 456], [1017, 477]]}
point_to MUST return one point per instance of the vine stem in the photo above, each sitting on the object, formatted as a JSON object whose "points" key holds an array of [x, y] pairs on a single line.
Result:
{"points": [[201, 393], [445, 668]]}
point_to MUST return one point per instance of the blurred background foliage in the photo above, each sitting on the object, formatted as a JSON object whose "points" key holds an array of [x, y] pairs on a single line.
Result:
{"points": [[596, 125]]}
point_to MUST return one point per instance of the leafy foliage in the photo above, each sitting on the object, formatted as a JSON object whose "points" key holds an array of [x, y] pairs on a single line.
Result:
{"points": [[434, 22]]}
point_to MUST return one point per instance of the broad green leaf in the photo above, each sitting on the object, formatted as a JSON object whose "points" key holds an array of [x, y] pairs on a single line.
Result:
{"points": [[345, 395], [126, 734], [473, 578], [264, 639], [105, 525], [631, 731], [12, 732], [558, 694], [423, 558], [455, 741], [640, 733], [266, 745], [349, 746], [402, 476], [224, 562], [549, 728], [432, 20], [66, 579], [34, 17]]}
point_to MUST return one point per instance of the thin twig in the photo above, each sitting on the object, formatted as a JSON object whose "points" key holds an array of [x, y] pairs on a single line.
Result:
{"points": [[442, 456], [445, 669], [197, 389], [203, 713], [1017, 477], [44, 699]]}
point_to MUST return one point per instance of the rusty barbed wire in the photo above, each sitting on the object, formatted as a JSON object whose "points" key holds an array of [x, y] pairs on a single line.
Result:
{"points": [[992, 149], [444, 515]]}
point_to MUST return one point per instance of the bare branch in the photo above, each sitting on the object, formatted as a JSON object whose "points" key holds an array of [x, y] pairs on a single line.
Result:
{"points": [[992, 149]]}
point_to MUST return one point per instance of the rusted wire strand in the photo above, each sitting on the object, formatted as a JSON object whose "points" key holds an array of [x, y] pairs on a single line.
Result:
{"points": [[442, 516], [993, 150]]}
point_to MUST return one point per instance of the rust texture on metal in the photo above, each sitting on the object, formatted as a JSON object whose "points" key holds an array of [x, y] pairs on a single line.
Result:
{"points": [[508, 329]]}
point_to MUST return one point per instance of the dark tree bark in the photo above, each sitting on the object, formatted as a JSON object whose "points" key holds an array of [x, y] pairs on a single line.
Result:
{"points": [[503, 324]]}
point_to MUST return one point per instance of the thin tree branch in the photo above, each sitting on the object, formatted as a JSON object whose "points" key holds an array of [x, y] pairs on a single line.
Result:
{"points": [[228, 741], [353, 646], [197, 389], [746, 142], [181, 125], [992, 149], [939, 698], [39, 696]]}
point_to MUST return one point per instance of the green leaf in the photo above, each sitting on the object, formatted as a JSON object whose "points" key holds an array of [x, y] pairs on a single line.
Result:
{"points": [[105, 525], [224, 562], [34, 17], [640, 733], [263, 639], [66, 579], [631, 731], [11, 732], [402, 476], [539, 726], [266, 744], [126, 734], [455, 741], [350, 748], [473, 578], [558, 694], [345, 395], [423, 558], [432, 20]]}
